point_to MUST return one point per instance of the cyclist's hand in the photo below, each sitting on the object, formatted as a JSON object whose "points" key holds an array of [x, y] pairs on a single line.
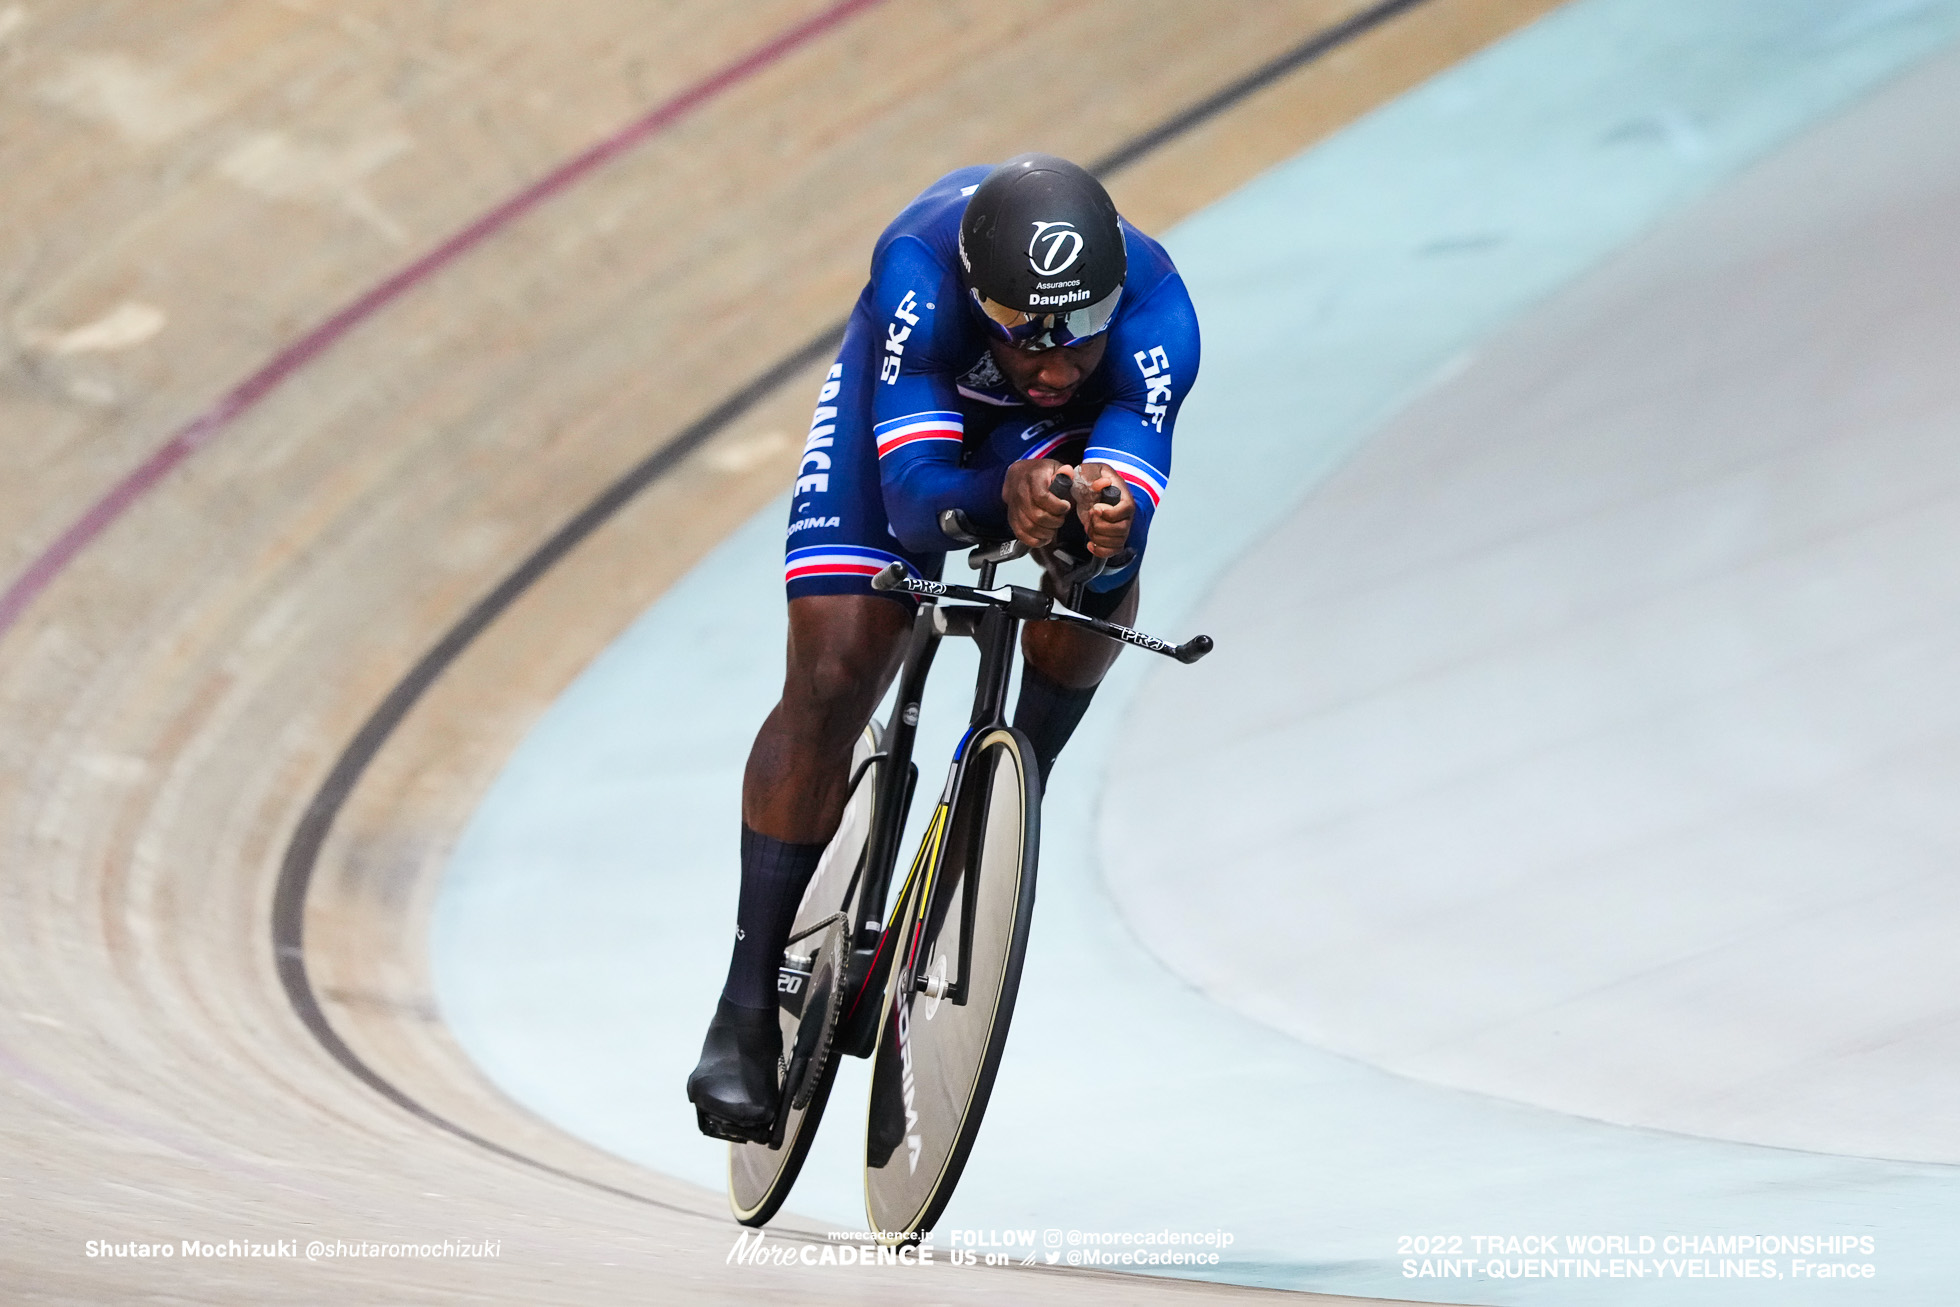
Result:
{"points": [[1033, 514], [1108, 525]]}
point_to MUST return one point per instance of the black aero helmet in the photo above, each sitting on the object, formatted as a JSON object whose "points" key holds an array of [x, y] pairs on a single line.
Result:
{"points": [[1042, 253]]}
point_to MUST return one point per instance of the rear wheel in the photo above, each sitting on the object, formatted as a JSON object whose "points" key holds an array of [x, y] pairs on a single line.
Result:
{"points": [[809, 999], [953, 984]]}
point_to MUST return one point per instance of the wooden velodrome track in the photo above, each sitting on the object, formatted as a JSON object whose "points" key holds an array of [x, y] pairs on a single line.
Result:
{"points": [[278, 607]]}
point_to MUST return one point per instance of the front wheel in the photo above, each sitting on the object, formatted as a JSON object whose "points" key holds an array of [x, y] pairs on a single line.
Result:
{"points": [[953, 984]]}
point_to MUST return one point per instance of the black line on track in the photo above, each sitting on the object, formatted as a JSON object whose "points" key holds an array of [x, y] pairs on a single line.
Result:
{"points": [[1323, 42], [303, 852], [309, 837]]}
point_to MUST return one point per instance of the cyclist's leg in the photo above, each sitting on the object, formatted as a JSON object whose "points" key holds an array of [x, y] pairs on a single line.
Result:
{"points": [[845, 640], [843, 650], [1061, 667]]}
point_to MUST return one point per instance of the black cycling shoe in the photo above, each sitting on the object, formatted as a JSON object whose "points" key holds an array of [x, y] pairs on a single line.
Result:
{"points": [[734, 1087]]}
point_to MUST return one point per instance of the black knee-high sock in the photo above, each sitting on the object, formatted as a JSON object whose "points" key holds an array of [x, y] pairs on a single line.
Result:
{"points": [[774, 874], [1047, 713]]}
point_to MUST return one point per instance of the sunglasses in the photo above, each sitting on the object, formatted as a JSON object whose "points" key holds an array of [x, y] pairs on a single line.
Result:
{"points": [[1038, 331]]}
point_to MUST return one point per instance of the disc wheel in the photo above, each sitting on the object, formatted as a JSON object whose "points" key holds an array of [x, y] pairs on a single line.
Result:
{"points": [[938, 1053], [760, 1175]]}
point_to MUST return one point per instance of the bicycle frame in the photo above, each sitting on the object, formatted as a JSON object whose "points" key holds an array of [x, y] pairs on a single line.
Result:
{"points": [[992, 620], [994, 630]]}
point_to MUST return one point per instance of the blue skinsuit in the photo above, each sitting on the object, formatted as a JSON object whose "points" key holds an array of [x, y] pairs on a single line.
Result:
{"points": [[915, 418]]}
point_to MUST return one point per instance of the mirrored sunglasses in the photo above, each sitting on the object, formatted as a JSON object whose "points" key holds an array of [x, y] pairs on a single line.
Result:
{"points": [[1039, 331]]}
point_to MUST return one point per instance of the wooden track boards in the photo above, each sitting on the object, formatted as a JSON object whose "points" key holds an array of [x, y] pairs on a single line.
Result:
{"points": [[193, 186]]}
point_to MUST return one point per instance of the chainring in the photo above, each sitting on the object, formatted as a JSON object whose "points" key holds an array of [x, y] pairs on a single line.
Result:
{"points": [[816, 1033]]}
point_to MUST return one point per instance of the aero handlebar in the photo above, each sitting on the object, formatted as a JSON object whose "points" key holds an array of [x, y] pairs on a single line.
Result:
{"points": [[1033, 606], [1063, 487]]}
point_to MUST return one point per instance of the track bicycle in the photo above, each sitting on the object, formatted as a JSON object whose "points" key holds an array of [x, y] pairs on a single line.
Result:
{"points": [[927, 991]]}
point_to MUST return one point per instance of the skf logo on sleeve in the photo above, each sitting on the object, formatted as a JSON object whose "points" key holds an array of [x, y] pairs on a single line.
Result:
{"points": [[896, 336], [1156, 369], [813, 477]]}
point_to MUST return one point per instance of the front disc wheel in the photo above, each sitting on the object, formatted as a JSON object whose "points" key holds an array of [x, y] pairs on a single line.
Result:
{"points": [[953, 986]]}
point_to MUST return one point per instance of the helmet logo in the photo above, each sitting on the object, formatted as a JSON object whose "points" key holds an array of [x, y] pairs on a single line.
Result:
{"points": [[1053, 248]]}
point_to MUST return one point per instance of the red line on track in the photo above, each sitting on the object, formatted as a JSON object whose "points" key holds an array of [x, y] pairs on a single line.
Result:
{"points": [[199, 431]]}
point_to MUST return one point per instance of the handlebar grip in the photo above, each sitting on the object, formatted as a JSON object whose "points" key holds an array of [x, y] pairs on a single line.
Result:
{"points": [[1063, 487], [888, 577], [954, 525], [1188, 652]]}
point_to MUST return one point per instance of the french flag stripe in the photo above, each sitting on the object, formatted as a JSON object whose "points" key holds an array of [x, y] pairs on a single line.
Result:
{"points": [[1047, 447], [943, 417], [904, 436], [862, 551], [833, 560], [804, 572], [1132, 469], [1141, 466], [939, 424], [900, 440], [799, 571], [1140, 481], [1150, 492]]}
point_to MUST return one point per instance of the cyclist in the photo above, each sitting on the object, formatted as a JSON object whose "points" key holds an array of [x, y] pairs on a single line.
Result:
{"points": [[1014, 327]]}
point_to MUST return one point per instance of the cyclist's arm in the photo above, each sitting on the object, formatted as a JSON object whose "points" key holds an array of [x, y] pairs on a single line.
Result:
{"points": [[915, 410], [1153, 358]]}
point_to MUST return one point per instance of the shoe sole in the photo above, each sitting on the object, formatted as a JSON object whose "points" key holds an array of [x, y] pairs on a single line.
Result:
{"points": [[717, 1127]]}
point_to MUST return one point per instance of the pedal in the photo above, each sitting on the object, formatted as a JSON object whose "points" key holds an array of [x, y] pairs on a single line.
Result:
{"points": [[716, 1128]]}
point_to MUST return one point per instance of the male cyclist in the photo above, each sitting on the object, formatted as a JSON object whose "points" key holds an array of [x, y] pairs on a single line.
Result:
{"points": [[1014, 327]]}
